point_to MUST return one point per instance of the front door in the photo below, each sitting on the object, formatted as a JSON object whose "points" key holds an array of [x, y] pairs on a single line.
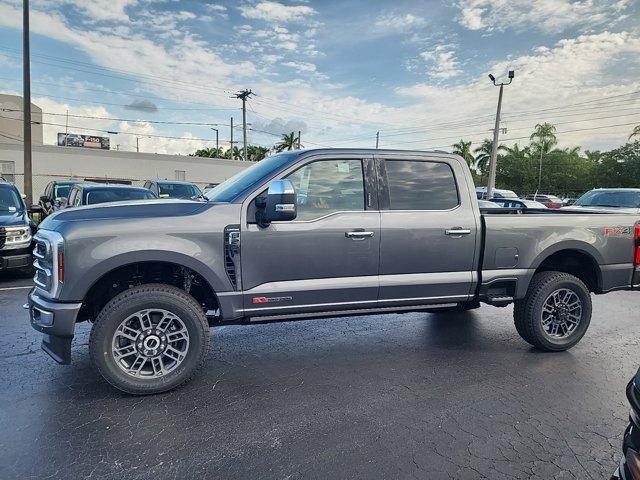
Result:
{"points": [[428, 245], [326, 259]]}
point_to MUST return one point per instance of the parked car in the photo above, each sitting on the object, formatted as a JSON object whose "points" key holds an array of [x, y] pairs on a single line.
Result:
{"points": [[550, 201], [568, 201], [379, 231], [173, 189], [94, 193], [629, 468], [54, 195], [614, 199], [481, 193], [517, 203], [16, 231], [487, 204], [210, 186]]}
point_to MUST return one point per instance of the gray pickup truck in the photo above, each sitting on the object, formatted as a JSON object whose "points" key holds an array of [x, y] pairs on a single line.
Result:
{"points": [[314, 233]]}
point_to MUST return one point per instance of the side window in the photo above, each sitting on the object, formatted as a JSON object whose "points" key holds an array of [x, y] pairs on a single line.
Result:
{"points": [[146, 184], [72, 196], [418, 185], [328, 186], [78, 200]]}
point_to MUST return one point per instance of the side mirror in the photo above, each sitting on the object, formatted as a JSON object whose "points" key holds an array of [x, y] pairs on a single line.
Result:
{"points": [[279, 205]]}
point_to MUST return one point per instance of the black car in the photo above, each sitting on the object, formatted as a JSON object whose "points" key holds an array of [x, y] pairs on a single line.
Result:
{"points": [[517, 203], [630, 464], [54, 195], [16, 231], [173, 188], [94, 193]]}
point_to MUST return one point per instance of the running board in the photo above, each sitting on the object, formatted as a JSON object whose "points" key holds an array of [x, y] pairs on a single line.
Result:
{"points": [[346, 313]]}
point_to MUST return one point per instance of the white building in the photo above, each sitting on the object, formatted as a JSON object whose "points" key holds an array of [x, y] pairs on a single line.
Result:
{"points": [[50, 162]]}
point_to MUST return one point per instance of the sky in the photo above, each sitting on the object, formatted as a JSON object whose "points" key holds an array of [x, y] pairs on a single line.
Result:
{"points": [[338, 71]]}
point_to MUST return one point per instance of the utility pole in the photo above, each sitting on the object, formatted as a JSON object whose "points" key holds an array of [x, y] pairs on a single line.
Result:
{"points": [[299, 144], [66, 129], [243, 95], [137, 144], [26, 104], [377, 138], [216, 130], [231, 142], [491, 183]]}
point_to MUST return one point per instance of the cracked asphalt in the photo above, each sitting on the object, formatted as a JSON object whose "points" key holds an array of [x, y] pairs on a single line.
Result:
{"points": [[389, 396]]}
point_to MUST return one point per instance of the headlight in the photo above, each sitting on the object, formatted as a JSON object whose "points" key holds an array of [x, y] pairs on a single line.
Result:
{"points": [[16, 237], [49, 262]]}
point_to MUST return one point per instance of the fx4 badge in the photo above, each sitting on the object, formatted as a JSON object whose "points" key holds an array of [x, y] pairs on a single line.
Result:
{"points": [[618, 231], [270, 299]]}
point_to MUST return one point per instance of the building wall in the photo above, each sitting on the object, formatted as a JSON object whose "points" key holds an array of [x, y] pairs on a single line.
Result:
{"points": [[11, 124], [58, 163]]}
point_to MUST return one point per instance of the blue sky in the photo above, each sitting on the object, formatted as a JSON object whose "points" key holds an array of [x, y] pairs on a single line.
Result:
{"points": [[337, 70]]}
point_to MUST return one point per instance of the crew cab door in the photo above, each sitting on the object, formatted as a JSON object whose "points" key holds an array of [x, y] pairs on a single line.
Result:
{"points": [[327, 258], [429, 230]]}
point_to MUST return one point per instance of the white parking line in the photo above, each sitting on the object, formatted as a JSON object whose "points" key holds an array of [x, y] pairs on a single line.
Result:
{"points": [[15, 288]]}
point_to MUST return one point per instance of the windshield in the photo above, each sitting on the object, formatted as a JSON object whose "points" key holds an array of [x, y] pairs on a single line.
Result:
{"points": [[610, 198], [10, 200], [62, 190], [177, 190], [248, 178], [117, 195], [533, 204]]}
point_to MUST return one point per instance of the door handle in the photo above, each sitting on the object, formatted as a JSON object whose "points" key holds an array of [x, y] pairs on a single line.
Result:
{"points": [[358, 234], [457, 231]]}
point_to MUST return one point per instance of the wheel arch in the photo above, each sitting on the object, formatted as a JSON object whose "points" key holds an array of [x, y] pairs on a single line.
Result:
{"points": [[576, 258]]}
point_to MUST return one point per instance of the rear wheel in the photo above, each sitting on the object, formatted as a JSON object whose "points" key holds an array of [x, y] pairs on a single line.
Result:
{"points": [[556, 312], [149, 339]]}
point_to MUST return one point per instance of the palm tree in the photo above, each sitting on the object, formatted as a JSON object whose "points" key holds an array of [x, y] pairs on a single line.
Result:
{"points": [[636, 131], [463, 149], [544, 139], [289, 142], [233, 153], [483, 154], [209, 153]]}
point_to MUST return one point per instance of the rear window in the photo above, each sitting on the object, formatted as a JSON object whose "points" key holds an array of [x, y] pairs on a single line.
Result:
{"points": [[417, 185], [116, 195], [177, 190]]}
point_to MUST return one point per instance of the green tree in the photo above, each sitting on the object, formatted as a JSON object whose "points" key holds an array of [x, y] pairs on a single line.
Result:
{"points": [[255, 153], [233, 154], [463, 149], [636, 132], [483, 155], [209, 153], [543, 139], [289, 141]]}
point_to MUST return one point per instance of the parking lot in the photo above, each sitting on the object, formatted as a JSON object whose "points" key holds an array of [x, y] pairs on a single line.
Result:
{"points": [[388, 396]]}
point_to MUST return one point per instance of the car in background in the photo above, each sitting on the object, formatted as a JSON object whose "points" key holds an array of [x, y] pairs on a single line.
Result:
{"points": [[549, 201], [481, 193], [517, 203], [93, 193], [16, 231], [173, 188], [209, 187], [623, 200], [568, 201], [55, 194], [487, 204], [629, 468]]}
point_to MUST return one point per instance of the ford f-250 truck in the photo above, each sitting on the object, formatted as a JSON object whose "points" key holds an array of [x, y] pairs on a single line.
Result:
{"points": [[314, 233]]}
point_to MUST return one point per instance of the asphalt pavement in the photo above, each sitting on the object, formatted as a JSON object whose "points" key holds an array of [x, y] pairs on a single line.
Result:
{"points": [[387, 396]]}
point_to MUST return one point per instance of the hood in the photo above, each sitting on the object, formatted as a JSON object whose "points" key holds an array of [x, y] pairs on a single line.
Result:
{"points": [[596, 208], [13, 219], [125, 211]]}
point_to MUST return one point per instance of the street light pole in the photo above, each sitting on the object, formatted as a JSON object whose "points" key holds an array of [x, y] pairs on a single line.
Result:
{"points": [[491, 183], [216, 130]]}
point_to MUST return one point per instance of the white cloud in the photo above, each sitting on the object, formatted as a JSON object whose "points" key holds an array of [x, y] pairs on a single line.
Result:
{"points": [[301, 67], [104, 10], [399, 23], [544, 15], [277, 12], [214, 7], [443, 62]]}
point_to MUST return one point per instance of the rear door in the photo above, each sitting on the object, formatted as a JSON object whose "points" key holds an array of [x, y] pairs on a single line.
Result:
{"points": [[326, 259], [429, 231]]}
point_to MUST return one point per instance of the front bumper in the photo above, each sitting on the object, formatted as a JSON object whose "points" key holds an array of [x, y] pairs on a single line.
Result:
{"points": [[632, 433], [15, 259], [57, 321]]}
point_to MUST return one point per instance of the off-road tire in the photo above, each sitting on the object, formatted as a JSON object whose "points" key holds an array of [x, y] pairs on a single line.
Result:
{"points": [[527, 313], [133, 300]]}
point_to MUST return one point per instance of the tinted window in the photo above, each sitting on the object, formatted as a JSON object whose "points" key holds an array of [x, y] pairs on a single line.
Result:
{"points": [[610, 198], [177, 190], [62, 191], [415, 185], [328, 186], [116, 195]]}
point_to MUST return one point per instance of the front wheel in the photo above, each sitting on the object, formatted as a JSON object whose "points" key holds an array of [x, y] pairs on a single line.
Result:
{"points": [[149, 339], [556, 312]]}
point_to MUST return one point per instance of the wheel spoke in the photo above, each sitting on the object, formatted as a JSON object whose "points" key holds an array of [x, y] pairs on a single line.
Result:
{"points": [[164, 322], [128, 332], [145, 319], [125, 351], [179, 335]]}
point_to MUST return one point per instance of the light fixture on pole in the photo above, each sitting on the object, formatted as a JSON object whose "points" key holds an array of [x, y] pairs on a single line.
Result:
{"points": [[491, 183], [216, 130]]}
